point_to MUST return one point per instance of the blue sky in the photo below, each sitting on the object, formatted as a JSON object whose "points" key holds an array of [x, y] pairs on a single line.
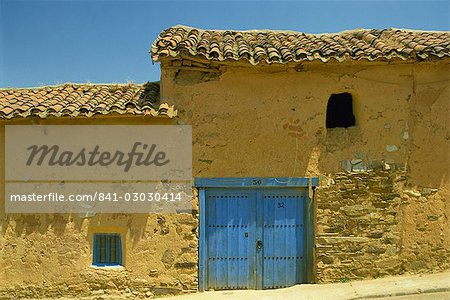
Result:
{"points": [[51, 42]]}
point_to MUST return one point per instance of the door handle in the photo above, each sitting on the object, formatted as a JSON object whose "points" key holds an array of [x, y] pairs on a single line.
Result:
{"points": [[259, 245]]}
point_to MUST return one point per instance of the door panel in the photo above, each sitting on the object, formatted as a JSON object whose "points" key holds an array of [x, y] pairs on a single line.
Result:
{"points": [[283, 227], [231, 223]]}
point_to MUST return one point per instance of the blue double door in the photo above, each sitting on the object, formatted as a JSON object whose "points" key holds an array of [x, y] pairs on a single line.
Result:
{"points": [[255, 238]]}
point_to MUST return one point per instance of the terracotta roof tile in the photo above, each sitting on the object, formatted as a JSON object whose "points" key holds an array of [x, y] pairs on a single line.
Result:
{"points": [[286, 46], [71, 100]]}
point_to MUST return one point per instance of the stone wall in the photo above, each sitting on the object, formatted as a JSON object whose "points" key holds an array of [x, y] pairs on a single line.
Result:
{"points": [[372, 224]]}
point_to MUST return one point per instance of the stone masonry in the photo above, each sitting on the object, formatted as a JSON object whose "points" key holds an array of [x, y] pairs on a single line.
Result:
{"points": [[372, 224]]}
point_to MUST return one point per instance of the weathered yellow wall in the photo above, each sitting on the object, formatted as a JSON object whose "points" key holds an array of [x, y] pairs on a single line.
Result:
{"points": [[44, 255], [241, 120], [270, 121]]}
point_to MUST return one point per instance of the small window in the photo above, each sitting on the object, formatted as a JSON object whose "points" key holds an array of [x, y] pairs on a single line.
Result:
{"points": [[107, 249], [340, 111]]}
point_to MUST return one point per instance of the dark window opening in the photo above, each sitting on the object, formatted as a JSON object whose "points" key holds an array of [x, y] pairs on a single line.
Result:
{"points": [[107, 249], [340, 111]]}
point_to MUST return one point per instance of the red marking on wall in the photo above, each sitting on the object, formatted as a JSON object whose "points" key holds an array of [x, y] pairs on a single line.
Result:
{"points": [[293, 128]]}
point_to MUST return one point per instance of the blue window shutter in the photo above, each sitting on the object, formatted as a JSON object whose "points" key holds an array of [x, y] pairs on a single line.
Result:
{"points": [[107, 249]]}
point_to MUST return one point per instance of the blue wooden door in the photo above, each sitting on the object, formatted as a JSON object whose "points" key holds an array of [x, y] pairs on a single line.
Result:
{"points": [[283, 237], [231, 229], [255, 237]]}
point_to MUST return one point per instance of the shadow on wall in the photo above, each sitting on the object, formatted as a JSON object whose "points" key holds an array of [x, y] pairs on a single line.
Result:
{"points": [[131, 225], [25, 224]]}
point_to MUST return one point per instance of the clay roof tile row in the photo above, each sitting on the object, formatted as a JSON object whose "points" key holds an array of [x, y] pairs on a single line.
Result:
{"points": [[256, 46], [72, 100]]}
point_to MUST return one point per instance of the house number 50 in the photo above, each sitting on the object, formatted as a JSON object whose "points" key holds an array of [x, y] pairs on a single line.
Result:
{"points": [[256, 182]]}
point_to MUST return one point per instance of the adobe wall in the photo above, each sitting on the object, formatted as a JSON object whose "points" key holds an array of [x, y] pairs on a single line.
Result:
{"points": [[50, 255], [383, 201], [382, 204], [270, 121]]}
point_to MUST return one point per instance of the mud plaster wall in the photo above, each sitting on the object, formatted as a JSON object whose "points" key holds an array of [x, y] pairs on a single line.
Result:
{"points": [[383, 204], [49, 255], [388, 216]]}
